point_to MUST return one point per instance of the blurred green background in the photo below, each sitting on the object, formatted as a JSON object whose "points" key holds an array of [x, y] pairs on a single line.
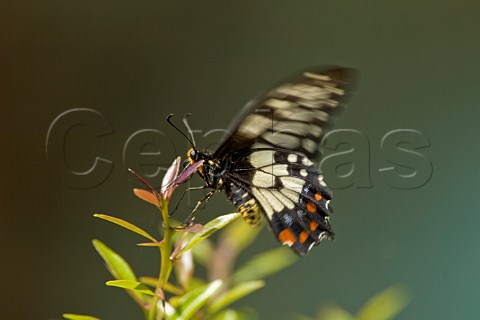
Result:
{"points": [[137, 61]]}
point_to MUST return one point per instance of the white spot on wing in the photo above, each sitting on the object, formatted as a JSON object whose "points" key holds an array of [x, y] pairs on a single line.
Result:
{"points": [[307, 161], [274, 202], [315, 130], [260, 145], [295, 114], [320, 180], [284, 200], [293, 183], [298, 128], [263, 180], [331, 103], [321, 115], [276, 169], [283, 140], [290, 194], [261, 158], [267, 208], [303, 173], [309, 145], [316, 76], [254, 125], [292, 158], [279, 104], [303, 91]]}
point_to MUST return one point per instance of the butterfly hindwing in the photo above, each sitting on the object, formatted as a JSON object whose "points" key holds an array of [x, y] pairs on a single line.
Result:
{"points": [[290, 191]]}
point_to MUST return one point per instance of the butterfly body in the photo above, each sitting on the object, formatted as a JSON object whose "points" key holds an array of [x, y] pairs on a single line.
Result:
{"points": [[265, 163]]}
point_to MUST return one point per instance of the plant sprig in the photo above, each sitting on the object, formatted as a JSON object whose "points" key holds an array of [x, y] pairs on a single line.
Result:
{"points": [[181, 248]]}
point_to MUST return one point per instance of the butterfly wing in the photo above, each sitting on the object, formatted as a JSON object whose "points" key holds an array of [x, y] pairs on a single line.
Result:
{"points": [[291, 192], [269, 150], [294, 114]]}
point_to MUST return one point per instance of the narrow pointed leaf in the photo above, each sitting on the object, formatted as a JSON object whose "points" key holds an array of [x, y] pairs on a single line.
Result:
{"points": [[168, 182], [202, 252], [184, 268], [126, 225], [147, 196], [385, 305], [264, 265], [152, 282], [231, 314], [210, 228], [195, 299], [72, 316], [117, 266], [240, 234], [236, 293], [130, 285], [333, 312], [151, 244]]}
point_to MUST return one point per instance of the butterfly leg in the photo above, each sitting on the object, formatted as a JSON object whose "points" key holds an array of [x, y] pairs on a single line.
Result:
{"points": [[193, 215], [183, 195]]}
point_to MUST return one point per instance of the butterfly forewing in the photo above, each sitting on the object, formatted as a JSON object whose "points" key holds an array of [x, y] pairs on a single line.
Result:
{"points": [[294, 114], [265, 162]]}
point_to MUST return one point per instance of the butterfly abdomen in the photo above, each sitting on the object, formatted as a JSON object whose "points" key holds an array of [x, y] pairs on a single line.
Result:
{"points": [[245, 203]]}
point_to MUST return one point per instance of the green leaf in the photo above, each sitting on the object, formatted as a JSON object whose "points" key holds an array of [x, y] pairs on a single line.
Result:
{"points": [[152, 282], [264, 265], [118, 267], [195, 299], [236, 293], [240, 234], [385, 305], [202, 252], [210, 228], [71, 316], [231, 314], [126, 225], [333, 312], [130, 285], [184, 268]]}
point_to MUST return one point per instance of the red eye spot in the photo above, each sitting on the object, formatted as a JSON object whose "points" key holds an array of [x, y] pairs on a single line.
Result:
{"points": [[303, 236], [313, 226], [286, 236], [318, 196], [311, 207]]}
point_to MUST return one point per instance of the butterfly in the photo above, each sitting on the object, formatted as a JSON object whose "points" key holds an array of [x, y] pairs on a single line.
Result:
{"points": [[265, 162]]}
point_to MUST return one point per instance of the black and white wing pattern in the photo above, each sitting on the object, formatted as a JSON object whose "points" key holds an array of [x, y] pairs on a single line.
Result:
{"points": [[294, 114], [266, 163]]}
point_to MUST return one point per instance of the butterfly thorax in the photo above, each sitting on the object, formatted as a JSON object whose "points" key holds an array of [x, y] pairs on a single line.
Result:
{"points": [[212, 172], [211, 169]]}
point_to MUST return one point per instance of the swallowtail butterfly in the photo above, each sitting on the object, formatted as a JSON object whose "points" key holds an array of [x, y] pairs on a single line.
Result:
{"points": [[265, 162]]}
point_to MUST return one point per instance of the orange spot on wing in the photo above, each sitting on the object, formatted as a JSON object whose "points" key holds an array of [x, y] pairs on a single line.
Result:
{"points": [[311, 207], [313, 225], [286, 236], [303, 236], [318, 196]]}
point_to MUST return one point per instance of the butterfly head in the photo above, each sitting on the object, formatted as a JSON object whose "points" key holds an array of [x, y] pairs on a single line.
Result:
{"points": [[194, 155]]}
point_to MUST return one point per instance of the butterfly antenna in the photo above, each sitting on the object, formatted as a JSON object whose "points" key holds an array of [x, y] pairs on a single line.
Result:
{"points": [[176, 128], [185, 122]]}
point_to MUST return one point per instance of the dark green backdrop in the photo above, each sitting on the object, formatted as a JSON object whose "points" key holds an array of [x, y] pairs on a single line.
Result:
{"points": [[136, 61]]}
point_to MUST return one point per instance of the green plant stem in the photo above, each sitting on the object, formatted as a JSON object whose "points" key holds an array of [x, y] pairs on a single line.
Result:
{"points": [[166, 263]]}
